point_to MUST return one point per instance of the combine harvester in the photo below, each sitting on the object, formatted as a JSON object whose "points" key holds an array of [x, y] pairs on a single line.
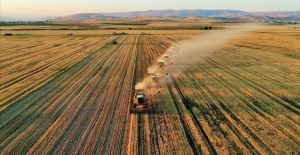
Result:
{"points": [[140, 102], [168, 59], [152, 78], [160, 64]]}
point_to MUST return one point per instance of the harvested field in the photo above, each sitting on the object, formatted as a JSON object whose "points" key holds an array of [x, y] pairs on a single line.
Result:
{"points": [[71, 95]]}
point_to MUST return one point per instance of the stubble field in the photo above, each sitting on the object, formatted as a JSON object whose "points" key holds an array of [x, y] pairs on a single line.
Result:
{"points": [[238, 94]]}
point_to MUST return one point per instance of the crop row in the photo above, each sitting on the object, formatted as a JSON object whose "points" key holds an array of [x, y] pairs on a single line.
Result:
{"points": [[229, 103], [82, 109], [221, 96], [29, 73]]}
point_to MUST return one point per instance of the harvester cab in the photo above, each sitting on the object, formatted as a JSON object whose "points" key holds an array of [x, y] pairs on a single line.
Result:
{"points": [[166, 57], [152, 76], [153, 80], [139, 98], [140, 102], [160, 64]]}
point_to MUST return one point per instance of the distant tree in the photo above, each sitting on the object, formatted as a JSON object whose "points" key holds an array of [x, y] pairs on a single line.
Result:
{"points": [[210, 27], [205, 28]]}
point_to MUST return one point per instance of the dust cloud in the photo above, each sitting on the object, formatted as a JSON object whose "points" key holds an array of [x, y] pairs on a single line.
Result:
{"points": [[151, 69], [183, 55], [190, 52], [141, 85]]}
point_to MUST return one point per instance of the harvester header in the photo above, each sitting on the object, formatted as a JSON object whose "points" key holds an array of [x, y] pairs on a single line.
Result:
{"points": [[140, 101]]}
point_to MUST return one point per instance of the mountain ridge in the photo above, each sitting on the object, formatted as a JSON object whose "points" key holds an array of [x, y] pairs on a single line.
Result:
{"points": [[170, 12], [278, 15]]}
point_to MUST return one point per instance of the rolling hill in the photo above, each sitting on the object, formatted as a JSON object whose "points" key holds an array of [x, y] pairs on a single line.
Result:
{"points": [[178, 15], [183, 14], [85, 16]]}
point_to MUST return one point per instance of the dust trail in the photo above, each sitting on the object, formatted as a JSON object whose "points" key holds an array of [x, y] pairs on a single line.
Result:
{"points": [[191, 51], [183, 55]]}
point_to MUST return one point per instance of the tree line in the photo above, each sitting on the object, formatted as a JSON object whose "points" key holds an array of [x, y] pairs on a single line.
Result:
{"points": [[206, 28]]}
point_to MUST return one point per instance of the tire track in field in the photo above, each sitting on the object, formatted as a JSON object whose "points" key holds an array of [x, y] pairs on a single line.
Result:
{"points": [[291, 106], [209, 115], [203, 134], [220, 80], [256, 107], [242, 95]]}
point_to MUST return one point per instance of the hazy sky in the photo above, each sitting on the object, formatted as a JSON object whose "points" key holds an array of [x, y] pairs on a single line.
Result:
{"points": [[66, 7]]}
